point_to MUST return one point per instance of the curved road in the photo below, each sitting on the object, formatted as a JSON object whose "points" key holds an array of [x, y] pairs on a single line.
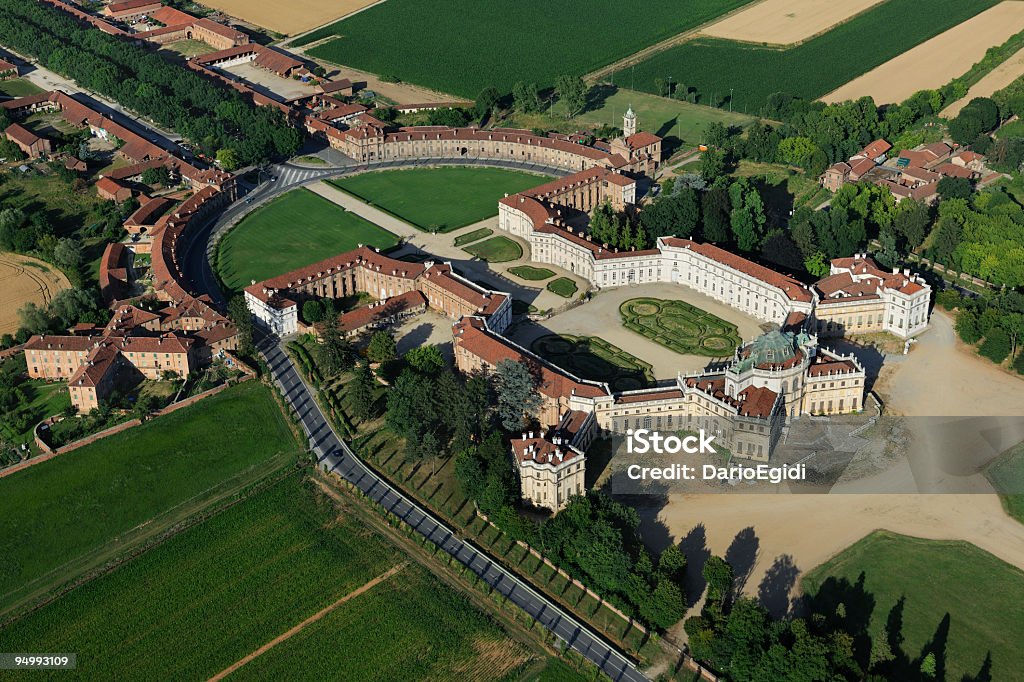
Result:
{"points": [[334, 455]]}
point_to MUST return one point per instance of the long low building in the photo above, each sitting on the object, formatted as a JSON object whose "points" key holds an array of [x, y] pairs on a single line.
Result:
{"points": [[857, 296], [275, 302]]}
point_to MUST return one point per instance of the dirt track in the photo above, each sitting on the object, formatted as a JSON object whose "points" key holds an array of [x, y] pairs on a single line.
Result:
{"points": [[937, 378], [935, 62], [25, 280], [783, 22]]}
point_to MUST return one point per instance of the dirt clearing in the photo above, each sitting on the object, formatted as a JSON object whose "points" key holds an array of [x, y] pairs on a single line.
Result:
{"points": [[25, 280], [935, 62], [783, 22], [798, 532], [996, 79], [289, 18]]}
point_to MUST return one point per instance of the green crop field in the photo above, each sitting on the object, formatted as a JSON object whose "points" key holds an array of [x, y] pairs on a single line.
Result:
{"points": [[680, 326], [461, 47], [421, 630], [530, 273], [966, 601], [438, 199], [60, 512], [296, 229], [495, 250], [590, 357], [563, 286], [811, 69], [215, 593]]}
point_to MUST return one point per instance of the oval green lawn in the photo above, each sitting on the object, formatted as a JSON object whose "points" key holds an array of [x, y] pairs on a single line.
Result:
{"points": [[438, 199], [293, 230]]}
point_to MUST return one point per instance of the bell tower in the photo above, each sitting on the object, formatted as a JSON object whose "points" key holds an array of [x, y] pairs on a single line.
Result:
{"points": [[629, 123]]}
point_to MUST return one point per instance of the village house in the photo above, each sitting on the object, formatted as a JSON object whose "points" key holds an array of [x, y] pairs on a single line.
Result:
{"points": [[27, 141]]}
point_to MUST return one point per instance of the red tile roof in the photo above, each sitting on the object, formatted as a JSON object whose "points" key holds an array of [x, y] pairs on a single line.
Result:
{"points": [[20, 133], [381, 310], [792, 288], [471, 335]]}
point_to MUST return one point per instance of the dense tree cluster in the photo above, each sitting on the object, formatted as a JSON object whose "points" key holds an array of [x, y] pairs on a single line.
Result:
{"points": [[981, 115], [743, 643], [441, 413], [996, 322], [210, 114], [616, 230], [983, 236]]}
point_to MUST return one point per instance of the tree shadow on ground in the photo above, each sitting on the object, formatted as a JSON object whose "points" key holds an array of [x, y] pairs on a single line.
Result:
{"points": [[742, 555], [695, 546], [776, 586]]}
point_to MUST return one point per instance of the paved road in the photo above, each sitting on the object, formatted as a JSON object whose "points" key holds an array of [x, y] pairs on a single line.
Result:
{"points": [[335, 456]]}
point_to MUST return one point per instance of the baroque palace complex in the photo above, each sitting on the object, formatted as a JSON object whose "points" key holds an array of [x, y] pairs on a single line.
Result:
{"points": [[780, 375]]}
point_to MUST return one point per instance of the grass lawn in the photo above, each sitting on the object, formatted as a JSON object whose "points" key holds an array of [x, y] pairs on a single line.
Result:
{"points": [[19, 87], [496, 250], [462, 49], [296, 229], [967, 600], [438, 199], [1008, 474], [474, 236], [188, 48], [563, 286], [712, 67], [530, 273], [312, 160], [783, 188], [660, 115], [44, 400], [68, 211], [680, 326], [590, 357], [58, 514]]}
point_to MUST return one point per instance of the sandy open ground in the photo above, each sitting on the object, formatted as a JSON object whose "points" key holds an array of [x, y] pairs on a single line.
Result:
{"points": [[783, 22], [996, 79], [935, 62], [938, 378], [294, 16], [25, 280]]}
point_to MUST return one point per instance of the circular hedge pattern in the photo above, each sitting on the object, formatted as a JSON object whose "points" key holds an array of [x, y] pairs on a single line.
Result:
{"points": [[679, 326], [593, 358]]}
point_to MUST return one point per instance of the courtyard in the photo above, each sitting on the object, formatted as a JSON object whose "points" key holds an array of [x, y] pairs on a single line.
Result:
{"points": [[268, 82], [601, 317], [293, 230], [591, 357], [681, 327], [438, 199]]}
